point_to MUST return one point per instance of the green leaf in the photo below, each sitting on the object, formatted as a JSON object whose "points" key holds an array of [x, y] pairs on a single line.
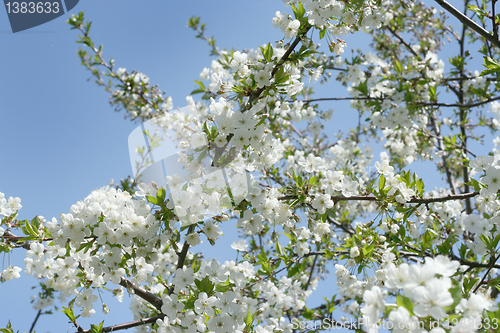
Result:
{"points": [[293, 270], [267, 52], [7, 329], [5, 247], [153, 200], [405, 302], [248, 319], [30, 230], [160, 194], [279, 248], [469, 283], [381, 183], [420, 186], [205, 285], [36, 223], [368, 249], [69, 313], [492, 66], [96, 328], [200, 84], [322, 33], [457, 62], [398, 66], [223, 286], [432, 93], [456, 293], [201, 88], [362, 88], [474, 8]]}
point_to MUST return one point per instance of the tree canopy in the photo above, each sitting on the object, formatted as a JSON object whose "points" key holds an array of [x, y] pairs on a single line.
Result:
{"points": [[257, 147]]}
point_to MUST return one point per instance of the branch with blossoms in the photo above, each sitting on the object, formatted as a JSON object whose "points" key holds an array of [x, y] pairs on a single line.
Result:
{"points": [[306, 199]]}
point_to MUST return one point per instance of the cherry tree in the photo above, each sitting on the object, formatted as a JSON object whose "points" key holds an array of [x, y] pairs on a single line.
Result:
{"points": [[257, 148]]}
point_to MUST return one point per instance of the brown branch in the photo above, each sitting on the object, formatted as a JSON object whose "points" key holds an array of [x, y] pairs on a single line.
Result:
{"points": [[131, 324], [493, 19], [182, 256], [408, 47], [477, 264], [142, 293], [373, 198], [185, 248], [493, 261], [468, 22], [307, 101], [34, 321], [311, 273], [9, 236], [449, 105]]}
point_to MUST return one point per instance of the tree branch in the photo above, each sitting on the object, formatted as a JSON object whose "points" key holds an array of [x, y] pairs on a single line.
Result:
{"points": [[468, 22], [408, 47], [460, 105], [131, 324], [34, 321], [142, 293], [373, 198], [449, 105], [307, 101], [493, 261]]}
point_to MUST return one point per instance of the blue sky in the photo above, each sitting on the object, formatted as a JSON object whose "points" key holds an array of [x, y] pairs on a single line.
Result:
{"points": [[60, 137]]}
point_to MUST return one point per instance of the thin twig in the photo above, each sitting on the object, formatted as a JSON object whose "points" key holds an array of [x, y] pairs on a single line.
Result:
{"points": [[34, 321], [408, 47], [493, 261], [311, 273]]}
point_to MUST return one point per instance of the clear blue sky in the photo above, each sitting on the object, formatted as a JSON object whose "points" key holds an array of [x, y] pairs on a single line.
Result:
{"points": [[60, 137]]}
